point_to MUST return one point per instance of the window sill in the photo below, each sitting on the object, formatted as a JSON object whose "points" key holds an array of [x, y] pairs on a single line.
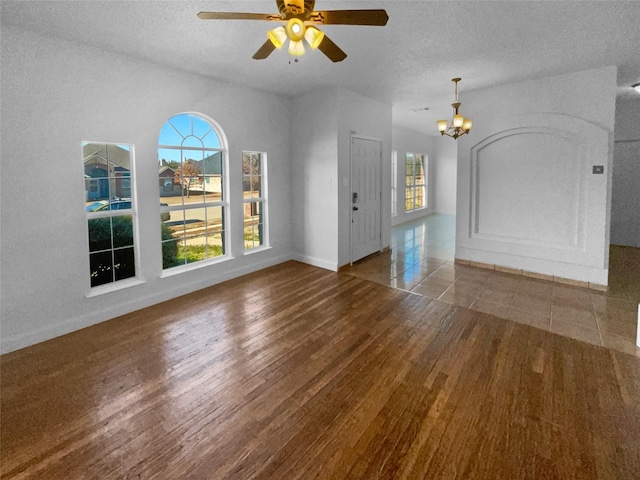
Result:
{"points": [[114, 287], [194, 266], [251, 251], [416, 210]]}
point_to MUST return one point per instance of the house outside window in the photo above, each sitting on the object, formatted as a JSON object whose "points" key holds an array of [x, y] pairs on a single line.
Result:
{"points": [[254, 199], [415, 181], [192, 159], [110, 210]]}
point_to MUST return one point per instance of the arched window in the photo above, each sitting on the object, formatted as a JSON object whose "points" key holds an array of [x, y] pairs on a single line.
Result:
{"points": [[192, 166]]}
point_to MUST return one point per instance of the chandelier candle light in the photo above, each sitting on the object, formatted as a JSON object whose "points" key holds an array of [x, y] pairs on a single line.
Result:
{"points": [[459, 124]]}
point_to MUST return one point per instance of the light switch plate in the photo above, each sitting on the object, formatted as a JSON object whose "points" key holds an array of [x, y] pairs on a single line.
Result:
{"points": [[597, 169]]}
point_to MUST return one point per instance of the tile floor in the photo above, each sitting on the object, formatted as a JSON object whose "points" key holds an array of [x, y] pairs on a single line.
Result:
{"points": [[421, 260]]}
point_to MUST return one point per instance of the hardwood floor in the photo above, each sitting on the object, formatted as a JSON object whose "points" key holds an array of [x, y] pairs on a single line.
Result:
{"points": [[299, 373]]}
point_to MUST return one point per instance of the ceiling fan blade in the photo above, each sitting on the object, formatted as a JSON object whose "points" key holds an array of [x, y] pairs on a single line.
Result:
{"points": [[238, 16], [331, 50], [264, 51], [350, 17]]}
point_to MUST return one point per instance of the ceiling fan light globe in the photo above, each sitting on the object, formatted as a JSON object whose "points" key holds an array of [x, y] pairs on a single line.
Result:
{"points": [[314, 37], [295, 29], [296, 48], [277, 36]]}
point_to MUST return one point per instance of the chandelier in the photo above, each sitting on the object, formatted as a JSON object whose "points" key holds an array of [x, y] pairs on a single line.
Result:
{"points": [[459, 124]]}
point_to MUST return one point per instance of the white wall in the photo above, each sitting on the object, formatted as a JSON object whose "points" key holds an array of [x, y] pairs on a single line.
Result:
{"points": [[527, 198], [56, 94], [445, 174], [323, 123], [407, 141], [625, 195], [314, 153]]}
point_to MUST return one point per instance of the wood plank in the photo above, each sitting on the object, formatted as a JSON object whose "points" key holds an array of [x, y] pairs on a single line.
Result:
{"points": [[299, 373]]}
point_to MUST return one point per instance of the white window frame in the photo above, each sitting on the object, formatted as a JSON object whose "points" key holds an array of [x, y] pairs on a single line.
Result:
{"points": [[136, 278], [261, 199], [223, 203], [415, 186]]}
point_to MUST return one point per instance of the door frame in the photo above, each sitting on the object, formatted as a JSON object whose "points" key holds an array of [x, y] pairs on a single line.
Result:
{"points": [[350, 201]]}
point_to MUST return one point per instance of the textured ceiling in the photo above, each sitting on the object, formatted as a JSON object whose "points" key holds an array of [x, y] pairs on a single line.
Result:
{"points": [[408, 63]]}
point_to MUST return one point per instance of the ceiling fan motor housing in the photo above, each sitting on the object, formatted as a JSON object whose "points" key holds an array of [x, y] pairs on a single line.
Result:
{"points": [[295, 7]]}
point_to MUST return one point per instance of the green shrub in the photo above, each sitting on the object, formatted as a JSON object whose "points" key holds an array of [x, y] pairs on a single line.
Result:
{"points": [[169, 248]]}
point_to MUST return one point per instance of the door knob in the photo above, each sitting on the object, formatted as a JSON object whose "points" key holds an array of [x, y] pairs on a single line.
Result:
{"points": [[355, 208]]}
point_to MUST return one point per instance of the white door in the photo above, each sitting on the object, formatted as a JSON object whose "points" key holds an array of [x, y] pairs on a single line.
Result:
{"points": [[366, 197]]}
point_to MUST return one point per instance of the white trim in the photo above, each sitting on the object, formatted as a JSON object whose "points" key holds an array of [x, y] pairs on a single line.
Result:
{"points": [[188, 267], [316, 262], [115, 286]]}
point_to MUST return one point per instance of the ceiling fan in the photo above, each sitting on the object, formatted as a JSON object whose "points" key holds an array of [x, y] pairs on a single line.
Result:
{"points": [[301, 18]]}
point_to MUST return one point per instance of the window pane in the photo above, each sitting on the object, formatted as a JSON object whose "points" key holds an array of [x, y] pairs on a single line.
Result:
{"points": [[189, 177], [170, 156], [101, 268], [192, 141], [169, 247], [203, 130], [182, 124], [253, 224], [251, 186], [122, 228], [211, 140], [408, 169], [100, 234], [107, 169], [419, 198], [212, 164], [256, 165], [408, 205], [200, 128], [123, 263], [213, 188], [202, 247], [169, 135]]}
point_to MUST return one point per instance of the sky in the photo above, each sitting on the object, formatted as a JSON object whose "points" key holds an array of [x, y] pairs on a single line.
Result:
{"points": [[188, 131]]}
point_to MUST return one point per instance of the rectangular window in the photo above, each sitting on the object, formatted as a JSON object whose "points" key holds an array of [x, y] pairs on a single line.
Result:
{"points": [[394, 183], [255, 199], [108, 172], [415, 181]]}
